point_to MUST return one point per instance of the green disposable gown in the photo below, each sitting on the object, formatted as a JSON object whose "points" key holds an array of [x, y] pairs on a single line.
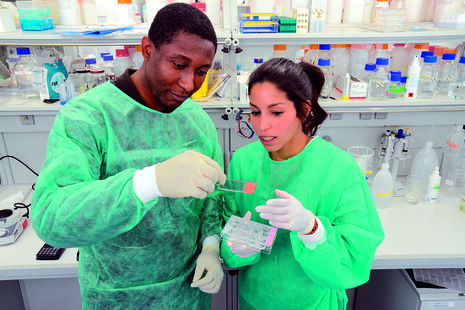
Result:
{"points": [[133, 255], [328, 182]]}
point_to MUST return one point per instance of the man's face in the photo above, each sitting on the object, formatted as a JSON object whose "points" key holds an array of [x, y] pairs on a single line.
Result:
{"points": [[176, 70]]}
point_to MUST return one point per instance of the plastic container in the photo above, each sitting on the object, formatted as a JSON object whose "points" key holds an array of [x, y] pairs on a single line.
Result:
{"points": [[445, 71], [325, 66], [395, 89], [88, 11], [428, 78], [125, 12], [137, 59], [23, 73], [324, 52], [260, 6], [432, 191], [122, 61], [279, 51], [299, 55], [369, 73], [379, 51], [413, 10], [69, 11], [399, 58], [358, 59], [311, 53], [108, 67], [334, 11], [97, 77], [413, 79], [382, 187], [416, 51], [340, 57], [454, 162], [82, 81], [457, 84], [423, 165], [377, 87], [363, 156], [35, 15], [353, 11]]}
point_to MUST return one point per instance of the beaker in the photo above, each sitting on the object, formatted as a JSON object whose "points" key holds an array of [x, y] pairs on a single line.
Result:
{"points": [[415, 190], [363, 156]]}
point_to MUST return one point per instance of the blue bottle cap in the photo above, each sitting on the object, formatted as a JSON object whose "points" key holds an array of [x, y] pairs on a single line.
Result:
{"points": [[448, 56], [258, 60], [23, 51], [395, 77], [104, 53], [325, 47], [395, 72], [324, 62], [426, 53], [382, 61], [462, 60], [107, 57], [90, 61], [370, 67], [403, 79], [431, 59]]}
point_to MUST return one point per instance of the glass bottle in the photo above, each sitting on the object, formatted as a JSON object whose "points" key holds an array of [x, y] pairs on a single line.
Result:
{"points": [[428, 78], [325, 66], [457, 84], [23, 73], [445, 70]]}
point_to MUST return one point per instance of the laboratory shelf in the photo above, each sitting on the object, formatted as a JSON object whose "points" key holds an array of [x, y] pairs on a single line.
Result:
{"points": [[348, 33], [439, 104], [53, 37]]}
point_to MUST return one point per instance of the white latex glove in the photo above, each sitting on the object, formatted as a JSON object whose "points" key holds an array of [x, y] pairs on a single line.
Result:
{"points": [[189, 174], [288, 213], [240, 249], [208, 262]]}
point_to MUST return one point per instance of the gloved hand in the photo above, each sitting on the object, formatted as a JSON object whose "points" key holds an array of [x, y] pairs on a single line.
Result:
{"points": [[239, 249], [208, 262], [189, 174], [288, 213]]}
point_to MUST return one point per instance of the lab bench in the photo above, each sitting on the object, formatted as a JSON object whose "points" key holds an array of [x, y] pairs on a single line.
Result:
{"points": [[416, 236]]}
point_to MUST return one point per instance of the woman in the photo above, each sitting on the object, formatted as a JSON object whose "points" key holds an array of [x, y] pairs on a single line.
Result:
{"points": [[310, 189]]}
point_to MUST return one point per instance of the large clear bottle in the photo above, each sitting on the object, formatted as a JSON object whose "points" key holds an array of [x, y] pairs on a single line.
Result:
{"points": [[377, 87], [457, 84], [428, 78], [23, 73], [279, 51], [108, 67], [382, 187], [325, 66], [122, 61], [340, 63], [445, 71], [311, 53], [399, 58], [453, 164]]}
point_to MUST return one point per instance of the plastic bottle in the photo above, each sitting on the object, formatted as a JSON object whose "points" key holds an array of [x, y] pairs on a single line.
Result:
{"points": [[324, 52], [340, 61], [358, 59], [353, 12], [432, 190], [445, 70], [418, 48], [89, 11], [379, 51], [279, 51], [122, 61], [382, 187], [108, 67], [369, 73], [69, 11], [325, 66], [377, 87], [91, 63], [311, 53], [453, 167], [399, 58], [413, 79], [23, 73], [126, 14], [422, 166], [137, 59], [457, 84], [428, 78], [257, 62], [394, 89], [299, 55], [334, 11]]}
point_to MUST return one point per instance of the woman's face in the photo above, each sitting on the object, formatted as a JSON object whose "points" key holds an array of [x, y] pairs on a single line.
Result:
{"points": [[275, 121]]}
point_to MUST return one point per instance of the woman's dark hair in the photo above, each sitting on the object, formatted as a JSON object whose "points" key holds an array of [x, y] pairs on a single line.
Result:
{"points": [[300, 82], [180, 17]]}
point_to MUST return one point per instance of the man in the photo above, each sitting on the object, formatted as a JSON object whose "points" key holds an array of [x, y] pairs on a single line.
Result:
{"points": [[126, 169]]}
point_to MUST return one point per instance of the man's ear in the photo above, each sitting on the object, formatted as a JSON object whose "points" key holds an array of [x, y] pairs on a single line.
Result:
{"points": [[147, 47]]}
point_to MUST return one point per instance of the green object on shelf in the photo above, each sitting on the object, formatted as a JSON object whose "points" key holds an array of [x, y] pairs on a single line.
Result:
{"points": [[283, 20], [287, 28]]}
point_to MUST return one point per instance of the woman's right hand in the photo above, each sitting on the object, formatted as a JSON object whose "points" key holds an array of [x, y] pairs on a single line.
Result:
{"points": [[240, 249]]}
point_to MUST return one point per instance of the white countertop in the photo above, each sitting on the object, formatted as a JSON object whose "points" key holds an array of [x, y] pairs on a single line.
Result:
{"points": [[417, 236]]}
